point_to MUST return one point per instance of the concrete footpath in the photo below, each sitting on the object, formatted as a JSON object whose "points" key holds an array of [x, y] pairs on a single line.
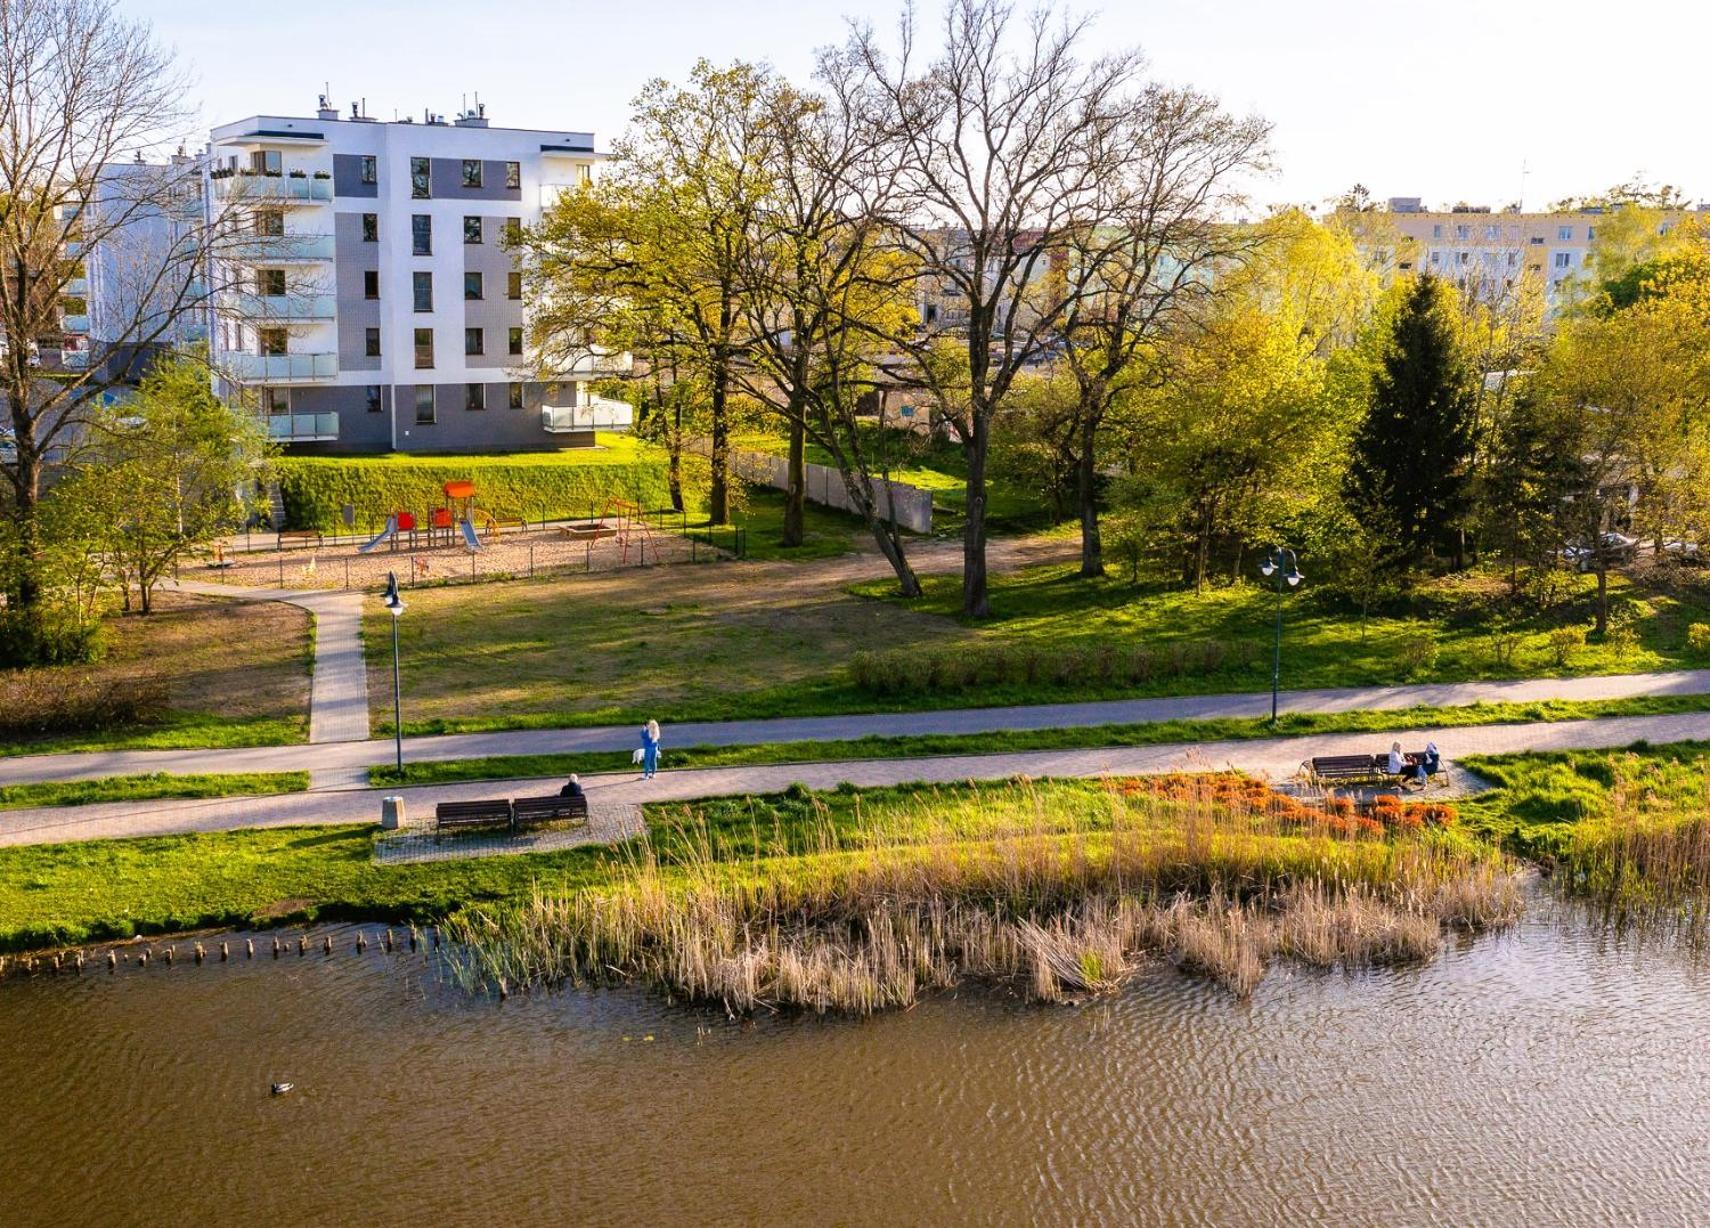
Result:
{"points": [[1276, 758], [344, 763]]}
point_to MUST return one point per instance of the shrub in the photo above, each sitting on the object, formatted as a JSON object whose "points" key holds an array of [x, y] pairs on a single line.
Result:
{"points": [[42, 701], [966, 667], [1621, 639], [1698, 638], [1502, 646], [1418, 654], [314, 489], [1564, 642]]}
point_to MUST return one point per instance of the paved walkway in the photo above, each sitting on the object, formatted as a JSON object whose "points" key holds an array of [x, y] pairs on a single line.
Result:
{"points": [[1276, 758], [338, 691], [343, 764]]}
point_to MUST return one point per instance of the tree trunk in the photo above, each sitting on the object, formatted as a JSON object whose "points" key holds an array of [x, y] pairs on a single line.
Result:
{"points": [[795, 496], [1086, 491], [1602, 593], [718, 490], [975, 601]]}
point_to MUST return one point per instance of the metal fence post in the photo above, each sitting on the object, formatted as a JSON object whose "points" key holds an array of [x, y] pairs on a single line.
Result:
{"points": [[531, 560]]}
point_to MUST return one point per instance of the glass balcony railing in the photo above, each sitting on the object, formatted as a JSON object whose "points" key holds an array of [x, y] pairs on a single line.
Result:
{"points": [[277, 249], [302, 427], [76, 324], [280, 306], [602, 415], [77, 287], [273, 189], [281, 368], [74, 360]]}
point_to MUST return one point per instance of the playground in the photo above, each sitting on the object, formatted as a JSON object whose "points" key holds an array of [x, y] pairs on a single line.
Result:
{"points": [[453, 541]]}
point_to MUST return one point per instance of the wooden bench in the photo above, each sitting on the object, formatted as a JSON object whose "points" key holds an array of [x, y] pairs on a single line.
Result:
{"points": [[448, 816], [494, 527], [526, 811], [1325, 768], [300, 537]]}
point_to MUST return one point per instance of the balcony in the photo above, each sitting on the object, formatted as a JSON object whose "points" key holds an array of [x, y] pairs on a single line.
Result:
{"points": [[273, 189], [73, 249], [277, 249], [268, 307], [302, 428], [77, 287], [77, 324], [281, 368], [602, 415], [74, 360]]}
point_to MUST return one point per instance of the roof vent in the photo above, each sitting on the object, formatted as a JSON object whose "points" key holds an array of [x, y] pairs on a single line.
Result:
{"points": [[324, 109]]}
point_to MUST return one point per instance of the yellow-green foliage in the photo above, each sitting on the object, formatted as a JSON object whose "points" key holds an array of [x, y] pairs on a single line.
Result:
{"points": [[521, 487]]}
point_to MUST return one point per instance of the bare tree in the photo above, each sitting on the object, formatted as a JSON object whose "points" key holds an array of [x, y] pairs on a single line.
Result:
{"points": [[819, 289], [84, 91], [1150, 261], [1000, 145]]}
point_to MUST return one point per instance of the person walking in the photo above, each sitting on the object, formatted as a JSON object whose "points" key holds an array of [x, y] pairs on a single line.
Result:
{"points": [[649, 749]]}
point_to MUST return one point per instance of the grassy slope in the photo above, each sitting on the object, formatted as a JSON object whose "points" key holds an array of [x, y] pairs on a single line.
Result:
{"points": [[237, 675], [149, 786], [504, 767], [719, 643]]}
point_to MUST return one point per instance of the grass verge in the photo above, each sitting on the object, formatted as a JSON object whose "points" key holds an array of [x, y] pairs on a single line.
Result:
{"points": [[149, 786], [1090, 737]]}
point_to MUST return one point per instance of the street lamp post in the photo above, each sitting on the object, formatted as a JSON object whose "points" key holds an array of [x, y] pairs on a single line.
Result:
{"points": [[395, 607], [1280, 568]]}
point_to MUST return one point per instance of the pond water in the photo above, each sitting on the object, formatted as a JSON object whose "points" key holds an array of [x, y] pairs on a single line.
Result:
{"points": [[1548, 1076]]}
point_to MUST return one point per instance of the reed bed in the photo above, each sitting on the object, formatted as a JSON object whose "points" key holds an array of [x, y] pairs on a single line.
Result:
{"points": [[1055, 890]]}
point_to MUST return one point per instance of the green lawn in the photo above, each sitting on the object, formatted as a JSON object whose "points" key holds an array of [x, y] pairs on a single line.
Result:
{"points": [[150, 786], [516, 767], [827, 533], [764, 640], [237, 674]]}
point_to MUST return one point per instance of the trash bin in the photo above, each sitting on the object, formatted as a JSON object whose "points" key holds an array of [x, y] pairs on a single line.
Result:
{"points": [[391, 813]]}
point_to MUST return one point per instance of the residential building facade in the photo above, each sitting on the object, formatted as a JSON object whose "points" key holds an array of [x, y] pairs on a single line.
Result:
{"points": [[366, 300]]}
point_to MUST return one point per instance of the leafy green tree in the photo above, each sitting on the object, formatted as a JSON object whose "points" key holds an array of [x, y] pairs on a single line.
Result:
{"points": [[1412, 454]]}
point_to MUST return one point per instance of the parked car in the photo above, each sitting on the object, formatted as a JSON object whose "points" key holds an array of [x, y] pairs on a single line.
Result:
{"points": [[8, 450], [1681, 551], [1616, 548]]}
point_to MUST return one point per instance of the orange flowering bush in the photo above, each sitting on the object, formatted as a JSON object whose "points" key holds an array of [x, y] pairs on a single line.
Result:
{"points": [[1338, 815]]}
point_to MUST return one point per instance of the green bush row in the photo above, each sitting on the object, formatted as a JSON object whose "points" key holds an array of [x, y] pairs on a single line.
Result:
{"points": [[316, 488], [964, 667], [42, 701]]}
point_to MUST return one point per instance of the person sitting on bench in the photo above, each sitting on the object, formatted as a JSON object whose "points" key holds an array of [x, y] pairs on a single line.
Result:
{"points": [[1432, 763], [1400, 765], [572, 787]]}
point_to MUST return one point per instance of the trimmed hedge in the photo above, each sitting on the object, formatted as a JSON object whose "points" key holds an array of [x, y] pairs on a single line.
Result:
{"points": [[509, 487]]}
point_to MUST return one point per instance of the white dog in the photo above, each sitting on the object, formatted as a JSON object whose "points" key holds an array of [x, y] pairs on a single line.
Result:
{"points": [[638, 756]]}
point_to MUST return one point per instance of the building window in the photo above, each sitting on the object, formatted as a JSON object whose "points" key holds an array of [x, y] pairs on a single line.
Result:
{"points": [[424, 404], [1564, 233], [370, 283], [513, 176], [373, 398], [1437, 231], [269, 223], [471, 172], [421, 179], [421, 234], [370, 169], [516, 341], [266, 161], [513, 230], [474, 341], [371, 344], [1537, 240], [516, 396], [472, 286], [476, 397], [371, 228], [513, 285], [1493, 232], [421, 283], [276, 400], [584, 174], [1564, 260], [1463, 232], [471, 230], [272, 340], [424, 349], [1590, 233], [1461, 258], [270, 282]]}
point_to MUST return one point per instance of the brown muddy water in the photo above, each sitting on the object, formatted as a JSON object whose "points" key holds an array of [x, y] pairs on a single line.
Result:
{"points": [[1548, 1076]]}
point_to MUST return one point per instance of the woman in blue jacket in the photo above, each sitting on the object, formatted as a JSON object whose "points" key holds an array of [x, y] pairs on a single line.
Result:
{"points": [[649, 749]]}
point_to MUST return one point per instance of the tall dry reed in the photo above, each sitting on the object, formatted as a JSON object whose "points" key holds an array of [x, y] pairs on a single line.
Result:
{"points": [[1060, 894]]}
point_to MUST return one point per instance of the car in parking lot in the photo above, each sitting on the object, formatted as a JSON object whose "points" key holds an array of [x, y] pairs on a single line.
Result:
{"points": [[1615, 548]]}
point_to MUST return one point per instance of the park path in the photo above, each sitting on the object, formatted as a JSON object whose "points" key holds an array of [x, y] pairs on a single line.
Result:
{"points": [[1276, 758], [338, 687], [345, 763]]}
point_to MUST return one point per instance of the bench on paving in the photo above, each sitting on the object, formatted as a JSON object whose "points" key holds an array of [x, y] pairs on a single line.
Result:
{"points": [[300, 537], [529, 810], [1323, 769], [448, 816]]}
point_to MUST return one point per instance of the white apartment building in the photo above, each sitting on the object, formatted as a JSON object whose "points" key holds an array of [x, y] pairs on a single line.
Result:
{"points": [[366, 297]]}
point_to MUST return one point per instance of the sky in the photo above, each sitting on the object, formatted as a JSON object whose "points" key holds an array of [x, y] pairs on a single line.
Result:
{"points": [[1483, 101]]}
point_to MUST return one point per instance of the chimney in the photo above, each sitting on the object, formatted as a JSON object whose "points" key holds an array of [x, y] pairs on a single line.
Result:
{"points": [[324, 109]]}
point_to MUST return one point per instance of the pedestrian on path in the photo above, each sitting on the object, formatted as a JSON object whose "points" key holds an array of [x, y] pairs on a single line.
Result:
{"points": [[649, 749]]}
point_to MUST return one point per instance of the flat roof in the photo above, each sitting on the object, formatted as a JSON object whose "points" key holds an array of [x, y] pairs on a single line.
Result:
{"points": [[269, 126]]}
